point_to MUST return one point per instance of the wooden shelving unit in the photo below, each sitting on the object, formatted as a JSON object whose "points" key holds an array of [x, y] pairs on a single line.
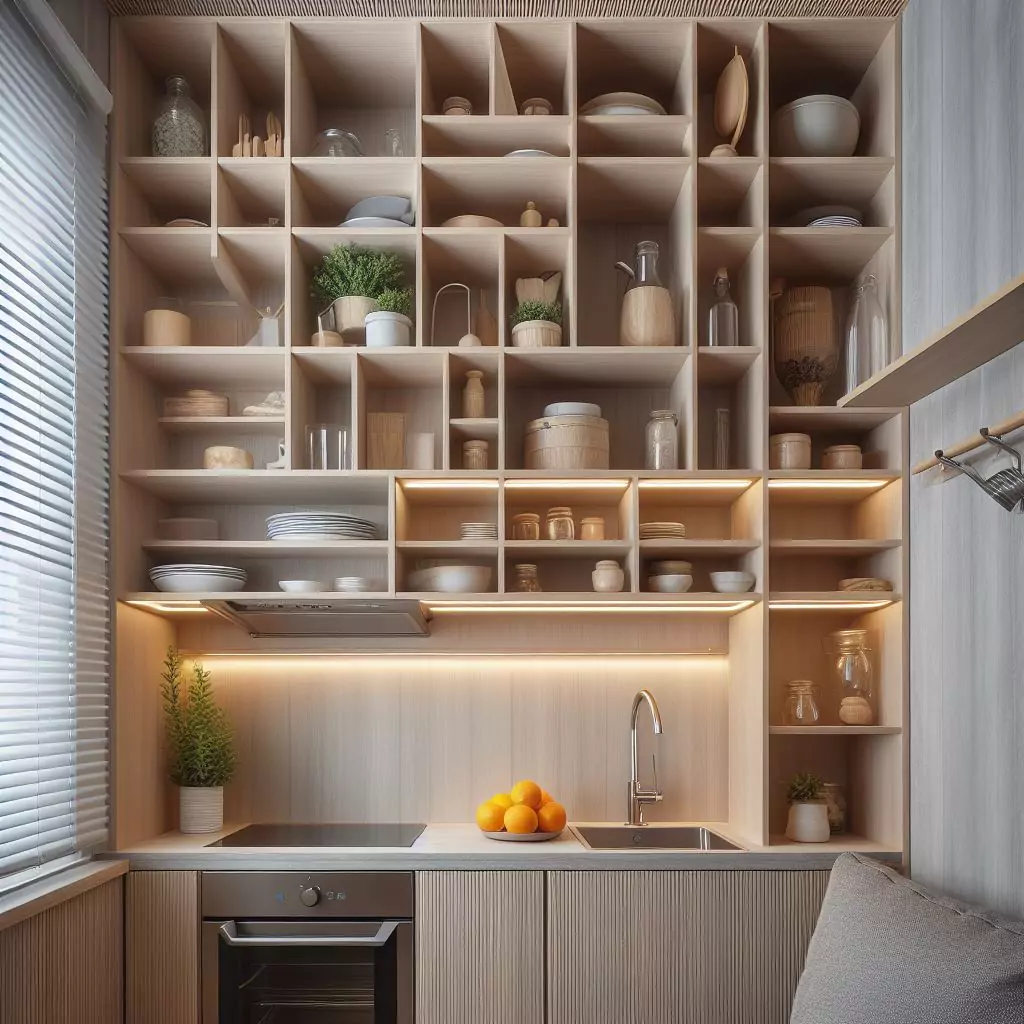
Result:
{"points": [[610, 182]]}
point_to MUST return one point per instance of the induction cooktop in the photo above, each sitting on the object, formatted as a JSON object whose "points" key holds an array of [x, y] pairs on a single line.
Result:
{"points": [[344, 834]]}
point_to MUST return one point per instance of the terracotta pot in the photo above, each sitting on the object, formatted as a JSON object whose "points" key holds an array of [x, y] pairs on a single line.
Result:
{"points": [[808, 822], [201, 809], [806, 345]]}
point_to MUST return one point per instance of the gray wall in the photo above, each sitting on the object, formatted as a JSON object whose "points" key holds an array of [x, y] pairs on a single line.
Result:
{"points": [[963, 160], [89, 25]]}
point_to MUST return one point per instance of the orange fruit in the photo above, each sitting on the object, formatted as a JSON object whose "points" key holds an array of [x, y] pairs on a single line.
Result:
{"points": [[551, 817], [503, 800], [520, 819], [490, 817], [526, 792], [545, 797]]}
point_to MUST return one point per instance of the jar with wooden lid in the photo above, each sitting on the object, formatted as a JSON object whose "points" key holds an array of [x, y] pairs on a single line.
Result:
{"points": [[607, 578], [536, 106], [525, 580], [592, 528], [842, 456], [855, 675], [526, 526], [456, 106], [474, 454], [789, 451], [560, 525]]}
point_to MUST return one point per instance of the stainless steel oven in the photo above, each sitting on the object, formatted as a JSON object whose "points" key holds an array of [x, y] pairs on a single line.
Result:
{"points": [[294, 947]]}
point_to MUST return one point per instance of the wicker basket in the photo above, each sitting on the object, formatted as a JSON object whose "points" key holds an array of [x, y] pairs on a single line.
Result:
{"points": [[806, 347], [566, 442]]}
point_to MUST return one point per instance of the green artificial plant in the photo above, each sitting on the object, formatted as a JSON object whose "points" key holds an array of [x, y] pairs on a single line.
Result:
{"points": [[550, 311], [201, 749], [356, 270], [395, 300], [804, 788]]}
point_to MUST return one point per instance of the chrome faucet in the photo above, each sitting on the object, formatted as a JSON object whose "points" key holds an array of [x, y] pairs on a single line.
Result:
{"points": [[638, 796]]}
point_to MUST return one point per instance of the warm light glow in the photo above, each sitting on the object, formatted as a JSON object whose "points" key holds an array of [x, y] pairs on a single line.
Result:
{"points": [[827, 485], [563, 485], [175, 607], [602, 607], [695, 485], [449, 485], [290, 657], [828, 606]]}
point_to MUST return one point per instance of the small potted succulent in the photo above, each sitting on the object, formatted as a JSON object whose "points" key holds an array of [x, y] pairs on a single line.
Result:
{"points": [[390, 325], [537, 325], [350, 279], [808, 811], [200, 746]]}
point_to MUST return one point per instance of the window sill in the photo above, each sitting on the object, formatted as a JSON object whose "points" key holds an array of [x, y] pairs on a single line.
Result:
{"points": [[49, 892]]}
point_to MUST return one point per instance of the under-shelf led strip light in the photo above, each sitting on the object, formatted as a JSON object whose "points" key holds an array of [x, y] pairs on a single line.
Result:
{"points": [[821, 606], [798, 484], [579, 608], [695, 485]]}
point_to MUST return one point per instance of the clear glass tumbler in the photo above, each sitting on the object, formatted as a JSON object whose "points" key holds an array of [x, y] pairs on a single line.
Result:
{"points": [[327, 446]]}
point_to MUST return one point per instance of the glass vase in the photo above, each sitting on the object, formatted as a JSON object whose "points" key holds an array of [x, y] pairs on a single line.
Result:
{"points": [[867, 335], [179, 128]]}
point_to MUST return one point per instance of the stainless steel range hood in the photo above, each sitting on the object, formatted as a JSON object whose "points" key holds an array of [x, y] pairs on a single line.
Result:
{"points": [[323, 617]]}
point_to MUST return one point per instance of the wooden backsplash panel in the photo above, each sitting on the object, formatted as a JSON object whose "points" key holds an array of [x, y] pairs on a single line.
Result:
{"points": [[428, 739]]}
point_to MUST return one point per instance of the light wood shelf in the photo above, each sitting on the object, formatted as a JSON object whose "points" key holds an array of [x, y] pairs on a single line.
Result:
{"points": [[835, 730], [810, 548]]}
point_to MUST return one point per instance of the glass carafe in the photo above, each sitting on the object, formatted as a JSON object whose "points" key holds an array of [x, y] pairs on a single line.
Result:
{"points": [[647, 317], [724, 319], [852, 666], [867, 335], [179, 128]]}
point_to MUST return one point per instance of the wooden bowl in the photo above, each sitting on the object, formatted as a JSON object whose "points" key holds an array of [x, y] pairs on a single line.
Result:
{"points": [[223, 456], [472, 220]]}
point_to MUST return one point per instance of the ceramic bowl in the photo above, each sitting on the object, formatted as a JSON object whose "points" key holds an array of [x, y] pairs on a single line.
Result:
{"points": [[816, 126], [572, 409], [732, 582], [669, 583], [300, 586], [452, 579]]}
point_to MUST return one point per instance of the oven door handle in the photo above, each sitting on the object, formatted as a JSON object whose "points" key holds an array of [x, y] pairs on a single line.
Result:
{"points": [[229, 933]]}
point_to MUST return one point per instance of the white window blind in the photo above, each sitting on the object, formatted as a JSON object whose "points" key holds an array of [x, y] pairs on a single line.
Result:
{"points": [[54, 479]]}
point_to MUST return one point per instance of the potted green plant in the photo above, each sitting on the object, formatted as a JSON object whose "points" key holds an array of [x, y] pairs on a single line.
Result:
{"points": [[200, 745], [350, 279], [390, 325], [808, 812], [537, 325]]}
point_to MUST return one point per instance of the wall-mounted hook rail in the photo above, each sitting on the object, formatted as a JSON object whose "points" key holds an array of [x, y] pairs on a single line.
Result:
{"points": [[969, 444], [1006, 486]]}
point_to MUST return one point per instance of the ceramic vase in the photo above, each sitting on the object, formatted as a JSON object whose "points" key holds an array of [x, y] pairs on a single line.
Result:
{"points": [[201, 809], [808, 822], [806, 346]]}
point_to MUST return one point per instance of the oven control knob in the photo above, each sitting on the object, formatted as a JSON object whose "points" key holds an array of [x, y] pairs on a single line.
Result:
{"points": [[310, 897]]}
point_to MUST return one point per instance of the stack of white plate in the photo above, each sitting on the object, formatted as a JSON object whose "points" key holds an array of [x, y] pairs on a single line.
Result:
{"points": [[194, 579], [835, 222], [662, 531], [352, 585], [479, 531], [572, 409], [319, 526]]}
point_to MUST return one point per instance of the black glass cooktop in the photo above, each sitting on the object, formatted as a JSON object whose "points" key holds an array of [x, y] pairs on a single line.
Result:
{"points": [[353, 834]]}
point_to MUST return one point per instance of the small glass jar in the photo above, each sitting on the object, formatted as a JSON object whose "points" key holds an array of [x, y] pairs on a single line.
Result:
{"points": [[592, 528], [560, 524], [526, 581], [835, 804], [474, 454], [662, 450], [801, 703], [852, 666], [526, 526], [180, 127]]}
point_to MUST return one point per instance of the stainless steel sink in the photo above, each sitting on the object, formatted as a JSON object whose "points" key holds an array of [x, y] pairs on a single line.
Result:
{"points": [[651, 837]]}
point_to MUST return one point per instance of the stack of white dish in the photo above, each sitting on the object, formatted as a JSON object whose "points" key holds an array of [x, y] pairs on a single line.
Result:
{"points": [[479, 531], [622, 103], [300, 586], [662, 531], [319, 526], [835, 222], [828, 217], [675, 577], [193, 579], [352, 585]]}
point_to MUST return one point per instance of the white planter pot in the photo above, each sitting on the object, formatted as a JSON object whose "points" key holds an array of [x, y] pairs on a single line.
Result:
{"points": [[350, 312], [388, 330], [201, 809], [808, 822]]}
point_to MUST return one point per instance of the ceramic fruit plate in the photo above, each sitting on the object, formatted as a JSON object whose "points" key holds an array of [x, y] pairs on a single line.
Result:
{"points": [[529, 837], [529, 152], [373, 222], [630, 103]]}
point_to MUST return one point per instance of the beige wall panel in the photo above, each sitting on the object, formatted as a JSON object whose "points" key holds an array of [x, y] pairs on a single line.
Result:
{"points": [[64, 966], [162, 947], [480, 947], [678, 947]]}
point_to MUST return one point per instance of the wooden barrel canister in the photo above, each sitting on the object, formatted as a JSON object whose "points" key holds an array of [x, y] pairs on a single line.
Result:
{"points": [[566, 442]]}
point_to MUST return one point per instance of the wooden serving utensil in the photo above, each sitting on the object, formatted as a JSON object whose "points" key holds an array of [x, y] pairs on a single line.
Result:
{"points": [[732, 101], [275, 145]]}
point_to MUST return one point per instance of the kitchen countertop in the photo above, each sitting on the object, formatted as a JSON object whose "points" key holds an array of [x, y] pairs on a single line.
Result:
{"points": [[456, 847]]}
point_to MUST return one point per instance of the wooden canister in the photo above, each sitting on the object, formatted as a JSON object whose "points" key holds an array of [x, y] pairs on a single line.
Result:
{"points": [[350, 312], [647, 317], [566, 442], [162, 327], [536, 334], [806, 349]]}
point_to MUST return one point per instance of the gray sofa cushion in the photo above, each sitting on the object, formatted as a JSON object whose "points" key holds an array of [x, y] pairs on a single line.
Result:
{"points": [[887, 951]]}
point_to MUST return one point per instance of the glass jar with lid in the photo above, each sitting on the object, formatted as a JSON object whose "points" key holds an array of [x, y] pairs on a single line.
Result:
{"points": [[526, 526], [560, 524], [851, 664], [801, 703], [662, 448], [180, 127], [525, 581]]}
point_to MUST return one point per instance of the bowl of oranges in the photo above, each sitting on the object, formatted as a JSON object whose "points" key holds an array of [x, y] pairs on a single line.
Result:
{"points": [[525, 814]]}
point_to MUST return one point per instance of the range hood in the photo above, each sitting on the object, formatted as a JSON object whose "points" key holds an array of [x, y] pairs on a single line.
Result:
{"points": [[323, 617]]}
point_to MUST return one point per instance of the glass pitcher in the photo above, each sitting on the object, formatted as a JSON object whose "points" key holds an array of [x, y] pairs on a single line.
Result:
{"points": [[644, 272], [647, 316]]}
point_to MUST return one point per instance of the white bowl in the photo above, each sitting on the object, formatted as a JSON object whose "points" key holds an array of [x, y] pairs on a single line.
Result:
{"points": [[816, 126], [732, 582], [452, 579], [572, 409], [300, 586], [669, 583], [197, 583]]}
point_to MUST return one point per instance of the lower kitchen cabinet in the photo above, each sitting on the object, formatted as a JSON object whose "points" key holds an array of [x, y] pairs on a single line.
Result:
{"points": [[480, 947], [678, 947], [162, 947]]}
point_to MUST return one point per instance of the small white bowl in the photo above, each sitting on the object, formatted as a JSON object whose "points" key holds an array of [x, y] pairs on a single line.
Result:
{"points": [[572, 409], [732, 582], [816, 126], [669, 583], [300, 586]]}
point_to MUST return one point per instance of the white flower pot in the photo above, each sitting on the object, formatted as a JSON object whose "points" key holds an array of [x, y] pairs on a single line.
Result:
{"points": [[349, 313], [201, 809], [808, 822], [388, 330]]}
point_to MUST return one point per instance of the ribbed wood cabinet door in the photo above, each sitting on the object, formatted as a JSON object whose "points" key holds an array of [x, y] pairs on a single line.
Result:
{"points": [[480, 947], [162, 947], [678, 947]]}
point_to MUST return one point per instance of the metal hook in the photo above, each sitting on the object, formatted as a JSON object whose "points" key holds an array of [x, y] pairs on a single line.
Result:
{"points": [[998, 442], [1006, 487]]}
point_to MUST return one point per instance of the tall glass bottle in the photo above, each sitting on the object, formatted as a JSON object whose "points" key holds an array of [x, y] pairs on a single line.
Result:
{"points": [[724, 320], [180, 127], [867, 335]]}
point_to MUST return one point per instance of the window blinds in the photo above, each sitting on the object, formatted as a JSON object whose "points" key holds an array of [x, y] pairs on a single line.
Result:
{"points": [[54, 479]]}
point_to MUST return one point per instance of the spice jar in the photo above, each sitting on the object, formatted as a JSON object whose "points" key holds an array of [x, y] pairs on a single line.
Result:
{"points": [[835, 804], [456, 106], [801, 703], [592, 528], [662, 449], [179, 128], [852, 666], [526, 581], [473, 395], [789, 451], [608, 578], [842, 456], [536, 105], [560, 524], [526, 526], [474, 454]]}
